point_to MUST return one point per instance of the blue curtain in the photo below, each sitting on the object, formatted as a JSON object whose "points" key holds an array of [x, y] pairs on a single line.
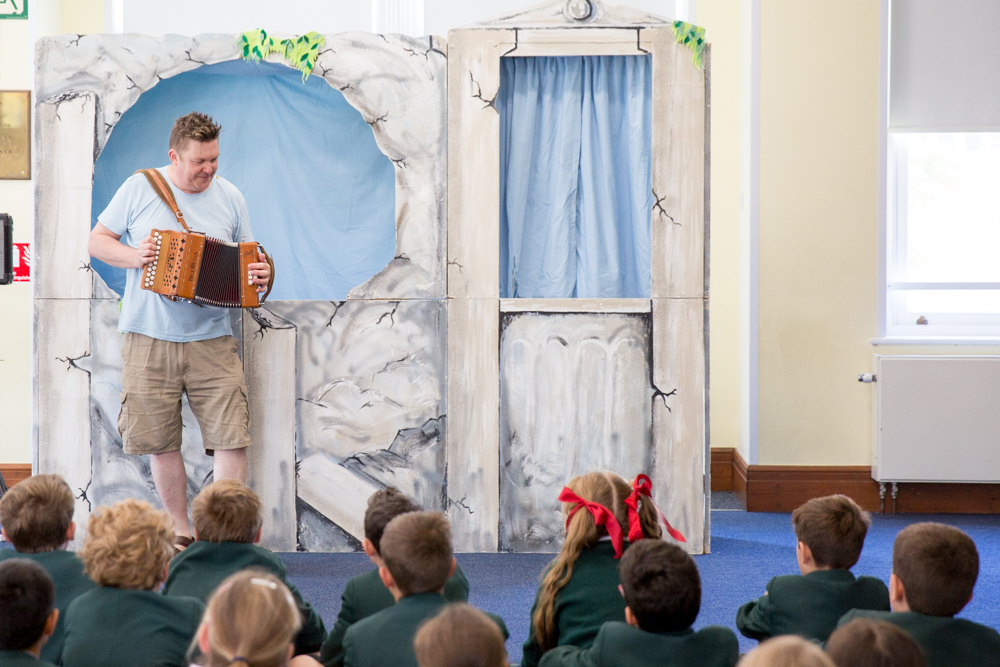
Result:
{"points": [[321, 195], [575, 176]]}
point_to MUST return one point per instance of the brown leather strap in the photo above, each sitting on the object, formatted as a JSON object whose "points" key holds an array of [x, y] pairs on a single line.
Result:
{"points": [[166, 193]]}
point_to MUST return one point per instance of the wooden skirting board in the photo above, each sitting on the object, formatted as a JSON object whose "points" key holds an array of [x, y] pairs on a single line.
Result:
{"points": [[15, 472], [783, 488]]}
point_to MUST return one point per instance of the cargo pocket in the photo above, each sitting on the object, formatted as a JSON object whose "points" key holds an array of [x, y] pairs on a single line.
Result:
{"points": [[246, 404]]}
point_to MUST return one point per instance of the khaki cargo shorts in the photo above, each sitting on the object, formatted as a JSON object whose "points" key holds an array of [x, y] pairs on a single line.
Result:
{"points": [[154, 375]]}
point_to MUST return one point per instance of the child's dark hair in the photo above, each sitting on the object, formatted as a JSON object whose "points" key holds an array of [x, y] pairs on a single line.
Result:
{"points": [[227, 511], [834, 529], [417, 551], [938, 566], [661, 585], [865, 642], [383, 507], [26, 598]]}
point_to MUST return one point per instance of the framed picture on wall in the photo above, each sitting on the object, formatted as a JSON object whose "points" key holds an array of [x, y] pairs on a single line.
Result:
{"points": [[13, 9], [15, 134]]}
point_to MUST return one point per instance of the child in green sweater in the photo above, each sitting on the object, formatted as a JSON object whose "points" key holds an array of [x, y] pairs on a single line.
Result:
{"points": [[830, 534], [28, 618], [37, 518], [227, 518], [934, 569], [662, 591]]}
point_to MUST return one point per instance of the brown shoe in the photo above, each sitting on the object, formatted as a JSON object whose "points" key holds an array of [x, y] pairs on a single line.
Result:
{"points": [[182, 542]]}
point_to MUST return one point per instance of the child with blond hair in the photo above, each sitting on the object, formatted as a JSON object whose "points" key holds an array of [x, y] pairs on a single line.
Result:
{"points": [[579, 589], [124, 622], [481, 642], [227, 517], [251, 621], [37, 518], [787, 651]]}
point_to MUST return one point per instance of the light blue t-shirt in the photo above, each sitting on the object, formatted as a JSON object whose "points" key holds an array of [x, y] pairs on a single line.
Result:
{"points": [[135, 210]]}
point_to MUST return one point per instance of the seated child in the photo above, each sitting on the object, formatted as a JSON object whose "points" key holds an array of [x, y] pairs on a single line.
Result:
{"points": [[227, 518], [251, 619], [28, 618], [481, 642], [37, 518], [865, 642], [416, 550], [831, 533], [934, 569], [364, 594], [124, 622], [579, 591], [662, 591], [788, 651]]}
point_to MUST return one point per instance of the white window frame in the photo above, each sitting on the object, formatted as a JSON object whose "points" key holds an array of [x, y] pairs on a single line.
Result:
{"points": [[942, 328]]}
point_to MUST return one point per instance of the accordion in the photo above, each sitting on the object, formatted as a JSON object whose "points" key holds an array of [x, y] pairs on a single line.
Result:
{"points": [[192, 266], [195, 267]]}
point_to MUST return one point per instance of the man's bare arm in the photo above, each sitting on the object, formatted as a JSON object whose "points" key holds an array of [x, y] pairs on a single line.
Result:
{"points": [[106, 246]]}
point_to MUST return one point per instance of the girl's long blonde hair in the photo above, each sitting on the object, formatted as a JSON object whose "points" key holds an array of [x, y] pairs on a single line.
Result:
{"points": [[605, 488], [252, 620]]}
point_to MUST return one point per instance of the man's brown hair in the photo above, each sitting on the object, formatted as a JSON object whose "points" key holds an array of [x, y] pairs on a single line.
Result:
{"points": [[384, 506], [480, 641], [227, 511], [193, 127], [128, 546], [865, 642], [416, 547], [938, 566], [661, 585], [36, 513], [834, 529]]}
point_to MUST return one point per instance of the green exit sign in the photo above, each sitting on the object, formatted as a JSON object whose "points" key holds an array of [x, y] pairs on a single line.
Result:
{"points": [[13, 9]]}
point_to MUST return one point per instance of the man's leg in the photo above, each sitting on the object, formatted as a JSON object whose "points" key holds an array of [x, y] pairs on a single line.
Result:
{"points": [[171, 483], [230, 464]]}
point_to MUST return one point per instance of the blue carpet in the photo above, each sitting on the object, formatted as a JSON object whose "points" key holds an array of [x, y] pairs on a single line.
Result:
{"points": [[747, 550]]}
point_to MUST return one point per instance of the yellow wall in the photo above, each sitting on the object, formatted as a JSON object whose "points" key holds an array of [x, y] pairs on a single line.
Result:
{"points": [[819, 232], [17, 199], [722, 23]]}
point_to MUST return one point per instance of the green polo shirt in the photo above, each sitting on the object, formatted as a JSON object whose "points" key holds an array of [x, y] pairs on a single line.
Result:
{"points": [[70, 581], [201, 567], [364, 596], [809, 605], [118, 627], [21, 659], [589, 600], [621, 645], [946, 641]]}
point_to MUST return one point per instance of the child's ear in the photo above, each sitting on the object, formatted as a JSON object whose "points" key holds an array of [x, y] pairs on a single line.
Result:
{"points": [[805, 553], [194, 532], [256, 537], [630, 618], [71, 531], [454, 564], [897, 592], [50, 623], [369, 548], [203, 644], [386, 576]]}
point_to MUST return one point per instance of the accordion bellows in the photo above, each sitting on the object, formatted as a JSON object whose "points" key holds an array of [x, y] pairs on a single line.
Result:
{"points": [[199, 268]]}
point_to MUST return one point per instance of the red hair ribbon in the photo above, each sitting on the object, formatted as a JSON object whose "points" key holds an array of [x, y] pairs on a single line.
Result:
{"points": [[602, 517], [643, 487]]}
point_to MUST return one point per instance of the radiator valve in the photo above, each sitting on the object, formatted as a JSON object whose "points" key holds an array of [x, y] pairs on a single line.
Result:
{"points": [[867, 377]]}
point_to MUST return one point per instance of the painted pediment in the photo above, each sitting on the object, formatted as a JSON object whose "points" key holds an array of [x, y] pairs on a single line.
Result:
{"points": [[572, 13]]}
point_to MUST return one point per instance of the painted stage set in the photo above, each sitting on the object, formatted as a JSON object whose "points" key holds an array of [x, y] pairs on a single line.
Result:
{"points": [[414, 337]]}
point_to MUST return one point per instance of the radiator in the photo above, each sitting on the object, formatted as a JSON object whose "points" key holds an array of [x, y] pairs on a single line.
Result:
{"points": [[936, 419]]}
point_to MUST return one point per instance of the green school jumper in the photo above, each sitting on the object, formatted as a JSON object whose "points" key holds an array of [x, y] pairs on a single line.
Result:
{"points": [[21, 659], [199, 569], [589, 599], [809, 605], [118, 627], [365, 595], [67, 574], [621, 645], [385, 639], [945, 641]]}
